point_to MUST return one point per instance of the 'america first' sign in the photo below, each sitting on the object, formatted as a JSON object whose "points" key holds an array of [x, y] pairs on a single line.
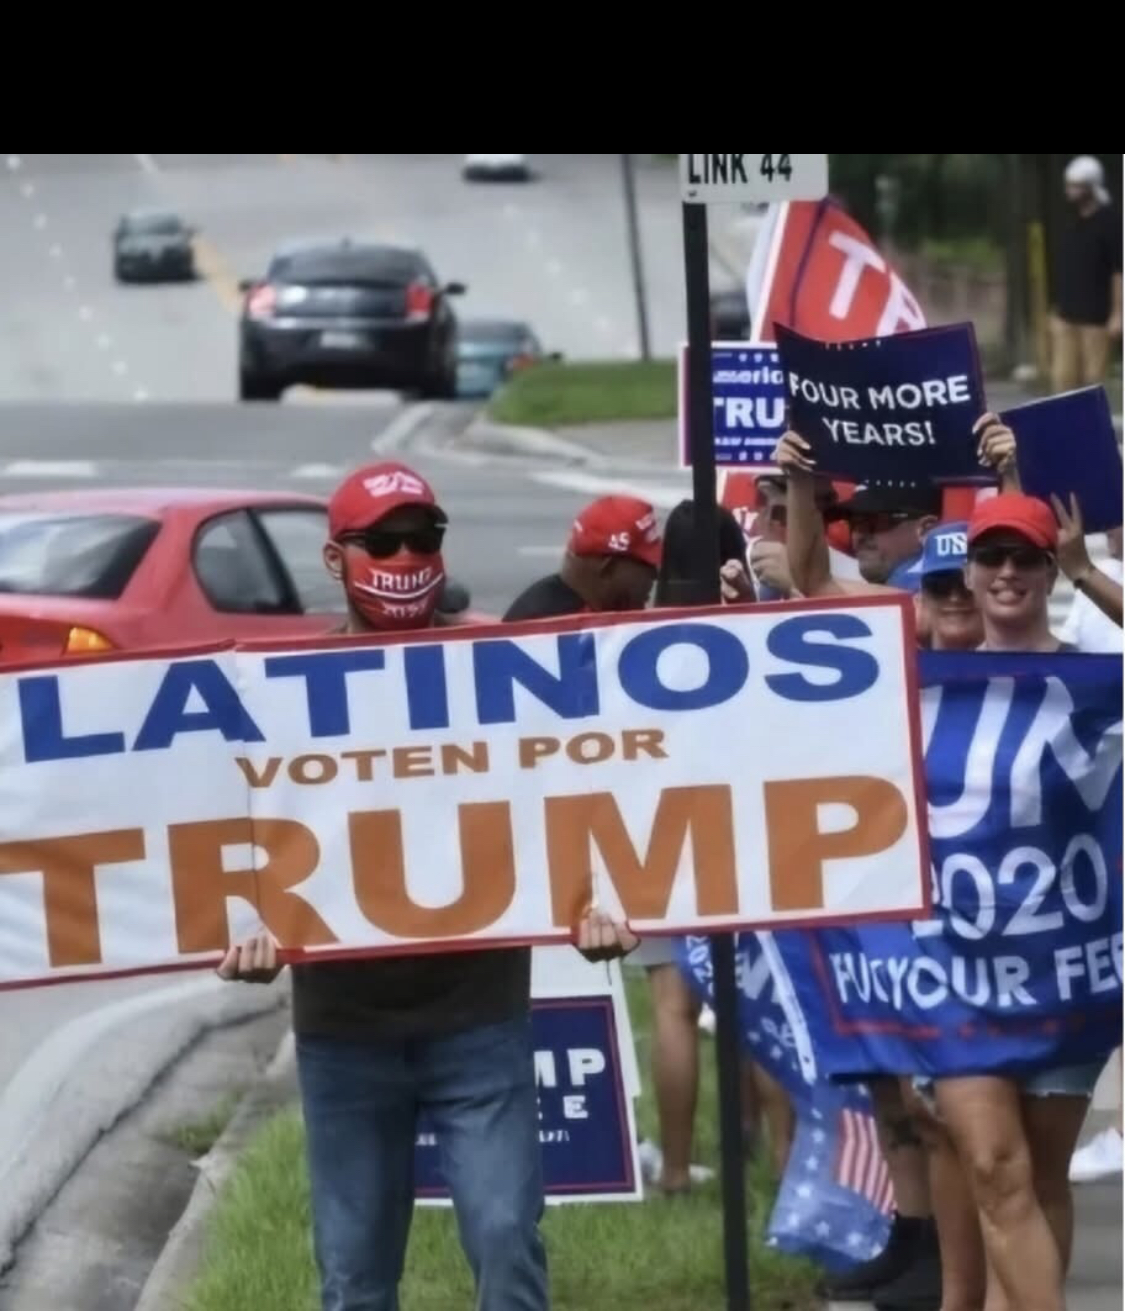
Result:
{"points": [[461, 787], [748, 391]]}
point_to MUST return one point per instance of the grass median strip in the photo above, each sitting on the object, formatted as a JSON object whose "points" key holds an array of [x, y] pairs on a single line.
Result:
{"points": [[659, 1254], [197, 1137], [562, 395]]}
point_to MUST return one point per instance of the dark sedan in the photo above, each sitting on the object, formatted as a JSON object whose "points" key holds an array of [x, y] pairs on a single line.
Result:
{"points": [[153, 246], [348, 314]]}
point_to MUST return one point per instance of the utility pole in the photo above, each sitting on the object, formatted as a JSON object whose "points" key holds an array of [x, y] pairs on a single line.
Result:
{"points": [[629, 184]]}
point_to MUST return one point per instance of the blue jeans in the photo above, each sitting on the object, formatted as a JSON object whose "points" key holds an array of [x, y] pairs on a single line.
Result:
{"points": [[361, 1101]]}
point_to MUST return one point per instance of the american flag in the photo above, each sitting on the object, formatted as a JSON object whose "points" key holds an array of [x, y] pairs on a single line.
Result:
{"points": [[835, 1200], [860, 1164]]}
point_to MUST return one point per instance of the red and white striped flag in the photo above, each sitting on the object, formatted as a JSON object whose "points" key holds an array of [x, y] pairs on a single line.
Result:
{"points": [[860, 1164]]}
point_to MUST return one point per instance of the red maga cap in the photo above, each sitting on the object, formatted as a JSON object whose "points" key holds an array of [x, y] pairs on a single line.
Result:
{"points": [[617, 525], [371, 493], [1026, 515]]}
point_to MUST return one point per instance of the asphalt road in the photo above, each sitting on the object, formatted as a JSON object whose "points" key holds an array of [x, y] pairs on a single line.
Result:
{"points": [[553, 250], [108, 385]]}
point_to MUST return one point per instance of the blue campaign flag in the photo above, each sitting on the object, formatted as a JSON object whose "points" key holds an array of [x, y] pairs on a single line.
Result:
{"points": [[888, 411], [763, 1026], [1020, 967], [748, 391], [836, 1197], [1067, 443], [585, 1129]]}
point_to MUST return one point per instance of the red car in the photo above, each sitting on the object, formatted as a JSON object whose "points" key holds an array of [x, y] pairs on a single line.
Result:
{"points": [[98, 570]]}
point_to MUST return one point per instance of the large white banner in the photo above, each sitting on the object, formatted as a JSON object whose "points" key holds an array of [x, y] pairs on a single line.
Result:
{"points": [[687, 770]]}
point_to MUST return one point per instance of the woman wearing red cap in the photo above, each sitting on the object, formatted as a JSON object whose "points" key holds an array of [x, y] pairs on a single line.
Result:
{"points": [[1015, 1135]]}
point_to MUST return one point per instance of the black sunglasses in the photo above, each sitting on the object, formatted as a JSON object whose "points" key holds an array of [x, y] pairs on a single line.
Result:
{"points": [[944, 584], [1023, 557], [383, 542]]}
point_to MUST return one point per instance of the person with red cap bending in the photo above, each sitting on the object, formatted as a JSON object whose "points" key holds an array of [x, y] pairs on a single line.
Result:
{"points": [[610, 563], [379, 1040]]}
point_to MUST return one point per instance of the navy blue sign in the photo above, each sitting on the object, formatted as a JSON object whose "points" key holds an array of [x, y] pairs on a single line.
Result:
{"points": [[583, 1117], [748, 389], [1067, 444], [1021, 966], [889, 411]]}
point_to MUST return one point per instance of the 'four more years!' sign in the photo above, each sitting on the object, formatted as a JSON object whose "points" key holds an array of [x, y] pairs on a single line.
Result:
{"points": [[688, 770], [894, 410]]}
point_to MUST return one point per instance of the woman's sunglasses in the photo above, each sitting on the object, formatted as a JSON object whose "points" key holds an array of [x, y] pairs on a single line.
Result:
{"points": [[945, 584], [380, 543], [1022, 557]]}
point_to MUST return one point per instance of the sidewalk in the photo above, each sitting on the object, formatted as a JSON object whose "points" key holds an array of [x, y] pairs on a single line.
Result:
{"points": [[1095, 1279]]}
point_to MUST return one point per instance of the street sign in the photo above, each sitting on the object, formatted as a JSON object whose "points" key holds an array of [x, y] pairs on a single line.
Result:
{"points": [[745, 179]]}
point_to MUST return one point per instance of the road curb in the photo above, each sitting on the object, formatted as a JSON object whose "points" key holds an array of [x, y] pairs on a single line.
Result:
{"points": [[402, 427], [534, 443], [51, 1113], [181, 1256], [506, 441]]}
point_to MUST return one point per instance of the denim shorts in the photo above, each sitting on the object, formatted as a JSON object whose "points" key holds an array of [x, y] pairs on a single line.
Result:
{"points": [[654, 951], [1058, 1081]]}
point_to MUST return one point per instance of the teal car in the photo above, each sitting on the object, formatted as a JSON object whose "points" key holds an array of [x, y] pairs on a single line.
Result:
{"points": [[489, 351]]}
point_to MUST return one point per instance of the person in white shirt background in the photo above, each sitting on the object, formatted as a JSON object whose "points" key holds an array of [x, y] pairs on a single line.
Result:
{"points": [[1090, 629]]}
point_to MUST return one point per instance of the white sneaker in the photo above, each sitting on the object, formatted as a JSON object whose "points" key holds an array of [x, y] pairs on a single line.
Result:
{"points": [[1101, 1158], [651, 1160], [707, 1020]]}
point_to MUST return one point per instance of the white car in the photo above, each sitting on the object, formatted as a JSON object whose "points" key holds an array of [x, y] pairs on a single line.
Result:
{"points": [[495, 168]]}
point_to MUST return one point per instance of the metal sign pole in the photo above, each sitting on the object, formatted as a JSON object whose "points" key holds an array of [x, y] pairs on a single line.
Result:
{"points": [[725, 179], [706, 592]]}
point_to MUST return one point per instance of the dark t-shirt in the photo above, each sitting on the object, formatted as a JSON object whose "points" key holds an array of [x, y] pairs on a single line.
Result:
{"points": [[546, 598], [401, 997], [1088, 255]]}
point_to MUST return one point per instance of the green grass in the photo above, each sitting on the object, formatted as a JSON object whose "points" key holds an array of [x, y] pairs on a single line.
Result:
{"points": [[557, 395], [197, 1137], [658, 1255]]}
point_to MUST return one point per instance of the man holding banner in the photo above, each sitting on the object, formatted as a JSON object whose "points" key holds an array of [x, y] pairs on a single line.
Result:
{"points": [[377, 1040]]}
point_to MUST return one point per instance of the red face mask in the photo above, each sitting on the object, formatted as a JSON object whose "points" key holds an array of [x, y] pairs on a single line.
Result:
{"points": [[399, 592]]}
